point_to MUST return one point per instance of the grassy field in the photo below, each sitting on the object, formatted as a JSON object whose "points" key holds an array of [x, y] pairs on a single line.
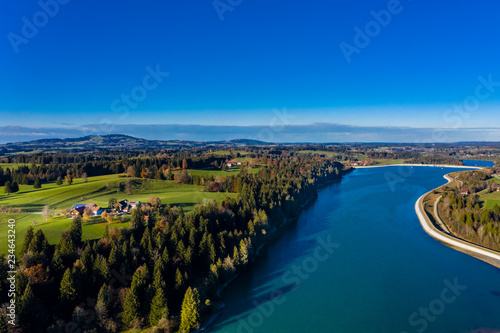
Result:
{"points": [[51, 228], [12, 165], [232, 152], [318, 152], [232, 171], [490, 199], [100, 189], [97, 190], [385, 161], [493, 180]]}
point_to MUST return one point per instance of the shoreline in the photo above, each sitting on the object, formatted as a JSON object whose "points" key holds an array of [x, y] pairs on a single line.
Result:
{"points": [[420, 165], [489, 256], [208, 323]]}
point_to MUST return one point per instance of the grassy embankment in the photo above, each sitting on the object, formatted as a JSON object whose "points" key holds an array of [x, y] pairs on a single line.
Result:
{"points": [[359, 157], [96, 190]]}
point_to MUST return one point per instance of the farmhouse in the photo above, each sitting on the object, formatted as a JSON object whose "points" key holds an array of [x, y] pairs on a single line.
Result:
{"points": [[134, 204], [121, 206], [126, 206], [96, 210], [230, 164], [78, 209]]}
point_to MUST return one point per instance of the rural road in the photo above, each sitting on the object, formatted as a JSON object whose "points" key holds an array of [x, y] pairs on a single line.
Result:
{"points": [[449, 239], [439, 221]]}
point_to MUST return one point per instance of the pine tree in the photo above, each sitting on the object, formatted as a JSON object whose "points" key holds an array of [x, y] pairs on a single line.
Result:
{"points": [[101, 272], [131, 307], [159, 307], [190, 315], [68, 292], [102, 305], [87, 257], [37, 184], [8, 186], [179, 280], [14, 187], [28, 237], [136, 223], [27, 310], [75, 231]]}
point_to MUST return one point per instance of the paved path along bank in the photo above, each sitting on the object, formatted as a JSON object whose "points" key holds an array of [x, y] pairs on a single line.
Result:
{"points": [[457, 243]]}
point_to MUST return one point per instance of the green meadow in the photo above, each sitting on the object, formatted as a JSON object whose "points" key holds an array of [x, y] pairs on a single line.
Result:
{"points": [[100, 189], [52, 228], [97, 190], [13, 165], [318, 152], [490, 199], [232, 152]]}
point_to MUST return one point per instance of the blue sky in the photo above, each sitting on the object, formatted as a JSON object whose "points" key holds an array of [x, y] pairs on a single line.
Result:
{"points": [[93, 63]]}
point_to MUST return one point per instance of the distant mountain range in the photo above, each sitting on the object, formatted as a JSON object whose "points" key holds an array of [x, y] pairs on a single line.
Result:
{"points": [[116, 141]]}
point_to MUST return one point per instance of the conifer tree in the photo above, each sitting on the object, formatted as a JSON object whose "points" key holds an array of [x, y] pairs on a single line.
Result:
{"points": [[159, 307], [27, 310], [37, 184], [39, 243], [190, 313], [68, 291], [75, 231], [8, 187], [28, 237], [179, 280], [102, 305], [131, 307]]}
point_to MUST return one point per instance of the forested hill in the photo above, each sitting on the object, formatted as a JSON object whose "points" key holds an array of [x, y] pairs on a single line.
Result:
{"points": [[114, 141], [166, 268]]}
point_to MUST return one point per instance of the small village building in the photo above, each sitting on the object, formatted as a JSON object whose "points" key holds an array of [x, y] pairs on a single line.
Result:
{"points": [[78, 209]]}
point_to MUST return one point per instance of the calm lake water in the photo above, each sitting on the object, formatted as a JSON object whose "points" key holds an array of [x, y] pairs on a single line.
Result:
{"points": [[357, 260], [478, 163]]}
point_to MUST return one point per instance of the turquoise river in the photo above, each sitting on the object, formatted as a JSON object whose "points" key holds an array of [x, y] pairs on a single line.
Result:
{"points": [[357, 260]]}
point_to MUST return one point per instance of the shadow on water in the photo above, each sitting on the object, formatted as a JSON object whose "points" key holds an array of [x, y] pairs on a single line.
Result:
{"points": [[296, 239], [261, 301]]}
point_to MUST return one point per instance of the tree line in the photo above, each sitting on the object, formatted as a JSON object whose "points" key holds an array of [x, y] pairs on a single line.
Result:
{"points": [[165, 269], [462, 208]]}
